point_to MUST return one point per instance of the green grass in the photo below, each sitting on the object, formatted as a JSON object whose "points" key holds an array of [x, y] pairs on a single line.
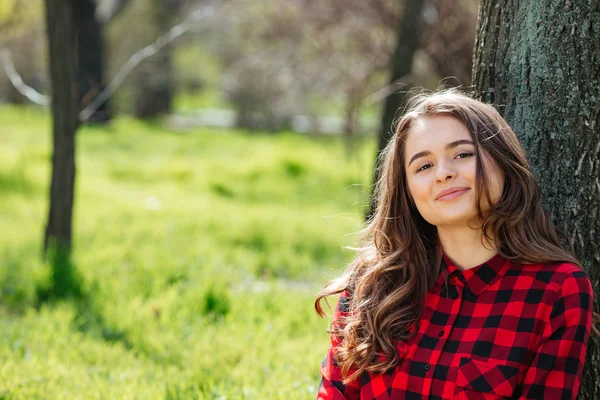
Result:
{"points": [[200, 254]]}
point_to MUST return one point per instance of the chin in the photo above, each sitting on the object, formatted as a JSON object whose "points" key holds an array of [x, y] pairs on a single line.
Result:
{"points": [[458, 219]]}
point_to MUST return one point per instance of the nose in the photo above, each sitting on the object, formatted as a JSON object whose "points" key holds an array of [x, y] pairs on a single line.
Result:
{"points": [[445, 172]]}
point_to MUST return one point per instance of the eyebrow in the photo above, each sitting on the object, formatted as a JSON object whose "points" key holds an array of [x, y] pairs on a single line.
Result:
{"points": [[448, 147]]}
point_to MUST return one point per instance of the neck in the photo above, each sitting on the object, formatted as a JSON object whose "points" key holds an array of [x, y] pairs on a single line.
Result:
{"points": [[466, 247]]}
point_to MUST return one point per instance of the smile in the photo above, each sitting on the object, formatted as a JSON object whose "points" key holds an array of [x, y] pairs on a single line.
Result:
{"points": [[453, 195]]}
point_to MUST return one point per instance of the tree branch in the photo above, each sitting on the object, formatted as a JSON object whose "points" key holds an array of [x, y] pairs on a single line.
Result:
{"points": [[139, 56], [388, 90], [16, 80]]}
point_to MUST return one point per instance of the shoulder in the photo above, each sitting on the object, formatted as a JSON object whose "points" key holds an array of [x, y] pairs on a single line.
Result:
{"points": [[570, 277], [576, 286], [342, 307], [572, 307], [573, 286], [555, 274]]}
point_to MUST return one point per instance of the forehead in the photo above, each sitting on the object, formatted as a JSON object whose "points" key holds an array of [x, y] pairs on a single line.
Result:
{"points": [[433, 133]]}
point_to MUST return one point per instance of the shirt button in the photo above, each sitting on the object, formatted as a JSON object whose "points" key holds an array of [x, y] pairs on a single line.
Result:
{"points": [[427, 366], [441, 334]]}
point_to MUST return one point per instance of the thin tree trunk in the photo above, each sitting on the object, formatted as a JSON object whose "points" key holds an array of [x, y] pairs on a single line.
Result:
{"points": [[63, 74], [407, 43], [539, 63]]}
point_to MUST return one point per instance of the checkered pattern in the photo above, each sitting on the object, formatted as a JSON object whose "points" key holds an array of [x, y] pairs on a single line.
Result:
{"points": [[497, 330]]}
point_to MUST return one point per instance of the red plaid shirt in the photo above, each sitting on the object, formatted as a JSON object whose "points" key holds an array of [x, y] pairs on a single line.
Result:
{"points": [[497, 330]]}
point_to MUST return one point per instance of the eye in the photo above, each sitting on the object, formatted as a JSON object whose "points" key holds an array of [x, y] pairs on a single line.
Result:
{"points": [[464, 154], [424, 167]]}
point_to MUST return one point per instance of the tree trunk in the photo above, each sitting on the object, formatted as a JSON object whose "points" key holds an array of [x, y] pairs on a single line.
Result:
{"points": [[90, 57], [63, 74], [155, 80], [539, 62], [407, 43]]}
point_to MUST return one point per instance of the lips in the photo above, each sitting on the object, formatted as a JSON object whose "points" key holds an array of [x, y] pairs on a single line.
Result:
{"points": [[448, 193]]}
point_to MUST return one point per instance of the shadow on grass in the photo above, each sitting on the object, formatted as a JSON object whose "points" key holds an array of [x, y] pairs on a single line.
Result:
{"points": [[65, 285]]}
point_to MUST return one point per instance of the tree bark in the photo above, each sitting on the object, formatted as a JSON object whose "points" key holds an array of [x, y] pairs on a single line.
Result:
{"points": [[539, 63], [63, 74], [407, 43]]}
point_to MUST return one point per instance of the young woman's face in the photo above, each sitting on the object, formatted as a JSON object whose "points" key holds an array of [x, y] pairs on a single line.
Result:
{"points": [[440, 167]]}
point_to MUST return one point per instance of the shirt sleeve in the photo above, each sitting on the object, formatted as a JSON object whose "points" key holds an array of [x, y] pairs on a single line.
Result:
{"points": [[331, 386], [555, 371]]}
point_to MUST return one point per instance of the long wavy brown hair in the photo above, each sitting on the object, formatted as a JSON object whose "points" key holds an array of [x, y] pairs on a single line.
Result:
{"points": [[400, 257]]}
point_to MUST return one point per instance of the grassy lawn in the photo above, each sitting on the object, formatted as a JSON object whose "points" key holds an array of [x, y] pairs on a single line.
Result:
{"points": [[200, 254]]}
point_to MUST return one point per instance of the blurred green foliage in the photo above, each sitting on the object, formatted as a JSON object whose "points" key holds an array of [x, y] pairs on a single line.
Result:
{"points": [[199, 255]]}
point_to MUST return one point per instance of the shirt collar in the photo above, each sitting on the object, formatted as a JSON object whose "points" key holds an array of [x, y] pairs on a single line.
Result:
{"points": [[478, 278]]}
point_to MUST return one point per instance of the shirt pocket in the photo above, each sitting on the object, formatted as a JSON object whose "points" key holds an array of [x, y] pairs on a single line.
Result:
{"points": [[478, 379]]}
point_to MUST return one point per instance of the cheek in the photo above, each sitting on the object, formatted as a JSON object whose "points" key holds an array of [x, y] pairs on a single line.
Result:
{"points": [[414, 188], [419, 193]]}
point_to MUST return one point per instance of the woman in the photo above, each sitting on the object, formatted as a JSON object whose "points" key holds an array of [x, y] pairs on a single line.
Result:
{"points": [[462, 289]]}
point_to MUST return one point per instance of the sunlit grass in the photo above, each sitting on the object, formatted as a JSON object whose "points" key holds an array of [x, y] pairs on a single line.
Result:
{"points": [[200, 254]]}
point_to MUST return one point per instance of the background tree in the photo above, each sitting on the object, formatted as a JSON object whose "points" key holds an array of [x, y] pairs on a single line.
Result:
{"points": [[539, 63], [434, 42], [354, 53], [90, 57], [21, 27], [91, 20], [448, 38], [154, 80], [407, 43], [60, 24], [287, 58], [300, 57], [61, 29]]}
